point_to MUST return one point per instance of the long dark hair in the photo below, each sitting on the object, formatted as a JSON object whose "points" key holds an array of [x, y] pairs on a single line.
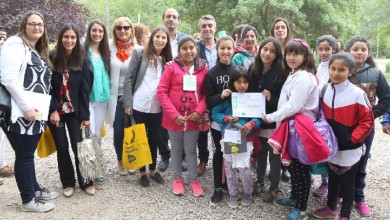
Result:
{"points": [[224, 38], [277, 64], [103, 45], [289, 31], [236, 74], [369, 60], [299, 46], [166, 53], [62, 61]]}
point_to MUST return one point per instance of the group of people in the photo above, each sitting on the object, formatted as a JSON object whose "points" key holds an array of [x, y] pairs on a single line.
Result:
{"points": [[172, 83]]}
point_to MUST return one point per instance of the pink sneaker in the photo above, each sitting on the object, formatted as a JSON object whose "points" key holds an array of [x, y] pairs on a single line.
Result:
{"points": [[178, 187], [325, 213], [321, 191], [196, 188], [363, 209]]}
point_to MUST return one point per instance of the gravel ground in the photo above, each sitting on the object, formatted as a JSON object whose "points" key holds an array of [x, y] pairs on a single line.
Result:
{"points": [[119, 197]]}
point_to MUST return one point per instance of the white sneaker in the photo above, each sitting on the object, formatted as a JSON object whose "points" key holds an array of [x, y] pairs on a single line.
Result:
{"points": [[121, 170], [45, 194], [37, 205]]}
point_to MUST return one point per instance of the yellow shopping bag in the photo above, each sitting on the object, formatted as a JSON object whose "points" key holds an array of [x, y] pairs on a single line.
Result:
{"points": [[46, 145], [136, 151]]}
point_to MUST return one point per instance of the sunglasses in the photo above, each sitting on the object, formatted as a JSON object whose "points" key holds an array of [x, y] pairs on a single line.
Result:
{"points": [[303, 43], [119, 28]]}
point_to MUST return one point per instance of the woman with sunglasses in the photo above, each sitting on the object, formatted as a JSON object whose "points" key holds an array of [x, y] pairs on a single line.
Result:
{"points": [[97, 49], [121, 51], [71, 87], [139, 94]]}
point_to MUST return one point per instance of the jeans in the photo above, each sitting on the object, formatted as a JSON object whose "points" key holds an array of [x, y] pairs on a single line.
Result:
{"points": [[65, 166], [203, 147], [360, 181], [118, 130], [24, 168], [152, 123]]}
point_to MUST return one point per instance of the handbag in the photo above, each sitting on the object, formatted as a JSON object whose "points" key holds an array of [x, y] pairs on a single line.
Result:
{"points": [[46, 145], [5, 99], [136, 151]]}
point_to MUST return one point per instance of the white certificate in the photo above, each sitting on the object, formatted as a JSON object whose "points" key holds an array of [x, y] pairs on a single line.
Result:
{"points": [[232, 136], [248, 105]]}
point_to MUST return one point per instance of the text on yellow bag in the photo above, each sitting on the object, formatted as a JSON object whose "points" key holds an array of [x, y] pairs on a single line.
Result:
{"points": [[136, 151], [46, 145]]}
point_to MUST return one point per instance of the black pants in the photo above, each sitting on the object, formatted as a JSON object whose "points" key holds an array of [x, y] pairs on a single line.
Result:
{"points": [[203, 150], [274, 161], [344, 186], [300, 183], [217, 159], [65, 166]]}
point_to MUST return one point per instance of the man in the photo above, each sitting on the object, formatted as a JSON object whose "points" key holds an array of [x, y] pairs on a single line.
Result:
{"points": [[170, 19], [207, 51]]}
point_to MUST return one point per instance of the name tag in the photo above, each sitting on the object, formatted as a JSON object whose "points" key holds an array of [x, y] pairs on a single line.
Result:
{"points": [[189, 83]]}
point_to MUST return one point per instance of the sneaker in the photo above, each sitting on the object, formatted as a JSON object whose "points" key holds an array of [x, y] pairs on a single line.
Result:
{"points": [[196, 188], [178, 187], [163, 165], [132, 171], [90, 190], [144, 181], [121, 170], [225, 188], [296, 214], [201, 169], [157, 177], [45, 194], [99, 178], [285, 202], [246, 200], [285, 176], [258, 187], [68, 191], [37, 205], [325, 213], [233, 203], [343, 218], [184, 166], [321, 191], [217, 197], [6, 171], [270, 196], [363, 209]]}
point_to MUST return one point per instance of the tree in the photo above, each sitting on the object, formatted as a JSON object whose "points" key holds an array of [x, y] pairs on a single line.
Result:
{"points": [[55, 12]]}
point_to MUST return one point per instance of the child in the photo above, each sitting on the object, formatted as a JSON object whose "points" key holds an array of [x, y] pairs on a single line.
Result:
{"points": [[182, 95], [268, 77], [326, 46], [217, 88], [299, 95], [373, 82], [239, 82], [341, 97]]}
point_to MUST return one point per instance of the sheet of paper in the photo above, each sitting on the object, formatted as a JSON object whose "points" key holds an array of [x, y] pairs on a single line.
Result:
{"points": [[41, 103], [232, 136], [248, 105]]}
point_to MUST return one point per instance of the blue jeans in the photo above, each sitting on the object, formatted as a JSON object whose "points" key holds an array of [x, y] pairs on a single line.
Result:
{"points": [[118, 130], [360, 181], [24, 147]]}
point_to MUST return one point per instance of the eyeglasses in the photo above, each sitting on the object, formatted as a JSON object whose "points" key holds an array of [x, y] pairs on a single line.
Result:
{"points": [[303, 43], [33, 24], [119, 28]]}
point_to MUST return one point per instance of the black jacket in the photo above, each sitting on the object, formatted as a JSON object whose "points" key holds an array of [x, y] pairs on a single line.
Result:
{"points": [[202, 49]]}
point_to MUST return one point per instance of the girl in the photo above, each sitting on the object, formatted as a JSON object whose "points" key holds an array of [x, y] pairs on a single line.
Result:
{"points": [[71, 82], [97, 49], [299, 94], [268, 77], [139, 94], [217, 89], [182, 95], [350, 130], [245, 54], [25, 72], [282, 31], [326, 46], [373, 82], [222, 113]]}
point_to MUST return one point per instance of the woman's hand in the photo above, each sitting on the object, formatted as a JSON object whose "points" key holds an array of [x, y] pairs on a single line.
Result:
{"points": [[55, 118], [30, 114], [246, 128], [267, 94], [226, 93], [129, 111], [85, 124], [194, 116], [264, 119], [179, 120]]}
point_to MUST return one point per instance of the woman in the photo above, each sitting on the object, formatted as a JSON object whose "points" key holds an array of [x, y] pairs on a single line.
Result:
{"points": [[244, 55], [139, 97], [25, 73], [121, 50], [71, 82], [142, 34], [282, 31], [97, 49]]}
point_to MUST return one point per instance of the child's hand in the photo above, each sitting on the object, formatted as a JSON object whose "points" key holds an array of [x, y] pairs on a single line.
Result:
{"points": [[232, 119], [386, 129], [179, 120], [267, 94], [168, 63], [194, 116], [226, 93], [246, 128], [264, 119]]}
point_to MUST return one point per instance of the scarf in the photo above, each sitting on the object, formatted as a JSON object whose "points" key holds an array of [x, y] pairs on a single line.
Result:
{"points": [[121, 53]]}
